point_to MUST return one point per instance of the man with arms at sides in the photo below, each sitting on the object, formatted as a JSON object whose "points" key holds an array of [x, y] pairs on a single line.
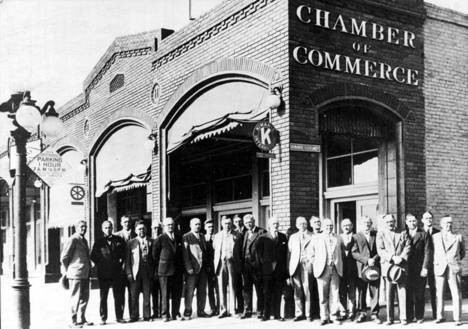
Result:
{"points": [[212, 281], [76, 263], [427, 219], [249, 266], [327, 266], [393, 248], [241, 229], [300, 268], [364, 251], [449, 251], [196, 265], [127, 233], [108, 254], [272, 251], [418, 263], [139, 267], [316, 225], [168, 258], [223, 261], [348, 280]]}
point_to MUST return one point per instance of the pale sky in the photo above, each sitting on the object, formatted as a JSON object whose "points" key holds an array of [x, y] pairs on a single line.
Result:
{"points": [[50, 46]]}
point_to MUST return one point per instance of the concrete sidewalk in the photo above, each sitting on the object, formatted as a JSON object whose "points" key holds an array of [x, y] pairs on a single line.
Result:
{"points": [[49, 310]]}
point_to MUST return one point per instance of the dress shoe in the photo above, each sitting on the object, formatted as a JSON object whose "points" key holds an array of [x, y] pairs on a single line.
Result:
{"points": [[86, 323], [389, 322], [133, 320], [121, 321], [223, 315], [404, 322], [264, 318], [420, 321], [166, 319], [102, 323], [361, 318], [299, 318], [75, 325], [458, 323], [246, 315], [202, 315], [376, 319], [259, 315], [439, 320], [147, 319], [323, 322], [278, 318]]}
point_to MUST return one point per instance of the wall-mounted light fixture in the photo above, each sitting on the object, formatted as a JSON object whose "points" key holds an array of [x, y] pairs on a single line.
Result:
{"points": [[151, 143], [275, 101]]}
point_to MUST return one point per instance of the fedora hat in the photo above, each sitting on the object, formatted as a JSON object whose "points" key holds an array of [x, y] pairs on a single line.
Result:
{"points": [[396, 274], [370, 273]]}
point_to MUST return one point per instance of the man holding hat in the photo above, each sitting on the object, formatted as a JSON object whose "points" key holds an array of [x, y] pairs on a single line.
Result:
{"points": [[394, 249], [368, 270]]}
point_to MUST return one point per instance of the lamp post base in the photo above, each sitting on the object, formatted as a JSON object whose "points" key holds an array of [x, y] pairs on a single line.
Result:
{"points": [[20, 298]]}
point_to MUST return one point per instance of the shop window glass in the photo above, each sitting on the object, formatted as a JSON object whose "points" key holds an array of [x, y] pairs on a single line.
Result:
{"points": [[242, 188], [338, 145], [339, 171], [223, 191], [365, 167], [365, 144]]}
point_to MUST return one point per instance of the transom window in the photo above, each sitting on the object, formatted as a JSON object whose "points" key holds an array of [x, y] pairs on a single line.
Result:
{"points": [[351, 160]]}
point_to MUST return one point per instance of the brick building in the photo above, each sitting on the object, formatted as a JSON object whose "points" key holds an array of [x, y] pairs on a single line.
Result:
{"points": [[373, 97]]}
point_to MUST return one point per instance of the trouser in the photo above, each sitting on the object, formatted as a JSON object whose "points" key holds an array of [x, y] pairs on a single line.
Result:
{"points": [[195, 281], [415, 297], [155, 296], [117, 285], [213, 293], [432, 292], [301, 280], [79, 296], [454, 282], [251, 278], [272, 291], [238, 292], [390, 294], [314, 297], [328, 285], [373, 296], [171, 289], [348, 294], [142, 283], [226, 286], [126, 287]]}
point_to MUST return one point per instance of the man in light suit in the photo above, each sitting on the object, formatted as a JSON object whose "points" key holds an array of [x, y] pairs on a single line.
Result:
{"points": [[139, 267], [365, 253], [393, 248], [449, 251], [76, 263], [223, 261], [418, 263], [348, 281], [167, 254], [327, 255], [249, 266], [427, 219], [300, 268], [272, 250], [196, 262]]}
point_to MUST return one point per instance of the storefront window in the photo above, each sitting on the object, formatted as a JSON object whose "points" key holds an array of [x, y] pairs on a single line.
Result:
{"points": [[351, 160]]}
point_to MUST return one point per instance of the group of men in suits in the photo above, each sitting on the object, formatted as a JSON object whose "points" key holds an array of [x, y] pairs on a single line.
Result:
{"points": [[228, 265]]}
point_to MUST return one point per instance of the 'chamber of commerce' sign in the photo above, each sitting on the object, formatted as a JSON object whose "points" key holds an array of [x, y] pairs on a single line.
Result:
{"points": [[49, 166], [265, 136]]}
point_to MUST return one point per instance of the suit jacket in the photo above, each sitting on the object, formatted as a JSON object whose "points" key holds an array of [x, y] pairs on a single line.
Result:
{"points": [[248, 251], [448, 253], [294, 250], [194, 252], [362, 250], [234, 236], [349, 263], [133, 260], [75, 257], [109, 256], [210, 254], [387, 248], [272, 255], [430, 266], [168, 255], [319, 254], [421, 252], [125, 236]]}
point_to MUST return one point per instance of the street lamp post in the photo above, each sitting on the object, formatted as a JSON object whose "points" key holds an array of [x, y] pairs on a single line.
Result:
{"points": [[26, 117]]}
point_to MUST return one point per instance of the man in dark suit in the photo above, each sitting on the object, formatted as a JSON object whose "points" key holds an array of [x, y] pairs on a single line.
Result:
{"points": [[108, 254], [316, 225], [348, 281], [249, 266], [393, 248], [418, 263], [427, 219], [212, 280], [364, 251], [77, 264], [127, 233], [139, 267], [241, 229], [196, 264], [169, 267], [272, 251]]}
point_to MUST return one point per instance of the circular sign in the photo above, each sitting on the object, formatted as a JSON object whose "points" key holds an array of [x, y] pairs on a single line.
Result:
{"points": [[265, 136], [77, 192], [155, 93]]}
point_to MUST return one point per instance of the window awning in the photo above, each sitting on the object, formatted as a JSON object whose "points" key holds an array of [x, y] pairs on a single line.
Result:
{"points": [[218, 127], [129, 183]]}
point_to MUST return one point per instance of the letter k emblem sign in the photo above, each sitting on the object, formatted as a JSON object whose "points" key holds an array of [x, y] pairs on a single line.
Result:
{"points": [[265, 135]]}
